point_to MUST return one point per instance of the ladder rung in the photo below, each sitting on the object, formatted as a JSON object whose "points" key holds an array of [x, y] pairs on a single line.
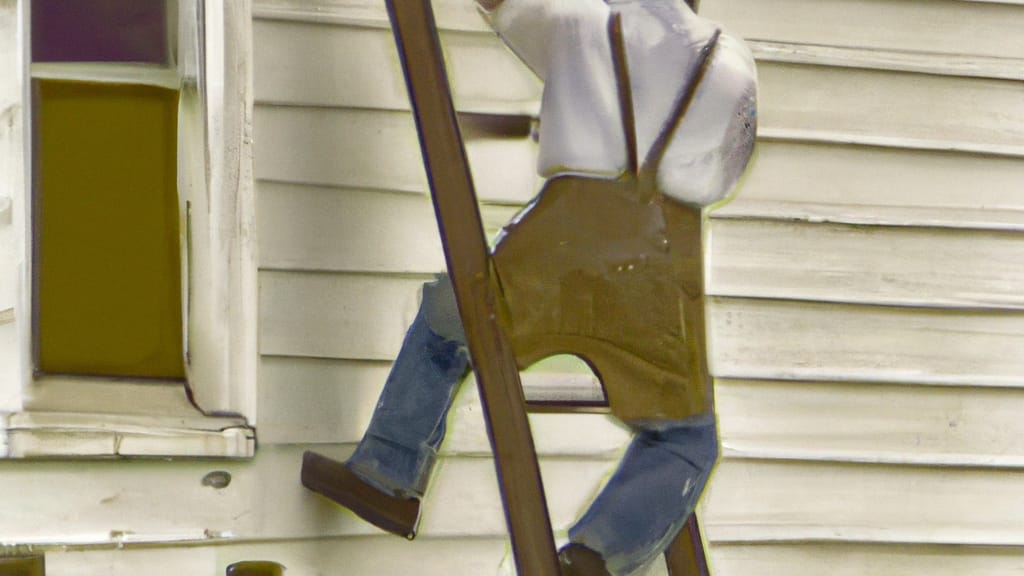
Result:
{"points": [[567, 407]]}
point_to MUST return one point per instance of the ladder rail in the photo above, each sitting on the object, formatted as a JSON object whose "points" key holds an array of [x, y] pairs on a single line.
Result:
{"points": [[472, 274]]}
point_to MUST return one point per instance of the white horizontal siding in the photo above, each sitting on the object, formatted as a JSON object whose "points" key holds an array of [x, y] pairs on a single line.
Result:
{"points": [[330, 229], [950, 27], [774, 339], [314, 228], [378, 150], [748, 501], [357, 316], [968, 65], [864, 422], [366, 555], [365, 149], [859, 559], [907, 266], [389, 556], [484, 74], [890, 108], [449, 14], [795, 100], [167, 502], [325, 401], [932, 37], [878, 185], [801, 500], [335, 316], [328, 401]]}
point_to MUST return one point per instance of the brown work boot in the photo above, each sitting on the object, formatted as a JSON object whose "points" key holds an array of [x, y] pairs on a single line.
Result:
{"points": [[578, 560], [335, 481]]}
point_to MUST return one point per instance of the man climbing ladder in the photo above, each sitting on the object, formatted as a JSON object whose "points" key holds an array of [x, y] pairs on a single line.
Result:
{"points": [[648, 117]]}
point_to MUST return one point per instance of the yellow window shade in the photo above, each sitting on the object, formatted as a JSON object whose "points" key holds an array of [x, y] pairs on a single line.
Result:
{"points": [[107, 251]]}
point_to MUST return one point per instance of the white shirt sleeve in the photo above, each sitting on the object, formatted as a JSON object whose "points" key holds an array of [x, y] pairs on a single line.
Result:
{"points": [[536, 30], [565, 42]]}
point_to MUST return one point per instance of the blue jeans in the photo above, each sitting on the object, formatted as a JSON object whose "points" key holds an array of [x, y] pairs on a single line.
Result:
{"points": [[640, 510]]}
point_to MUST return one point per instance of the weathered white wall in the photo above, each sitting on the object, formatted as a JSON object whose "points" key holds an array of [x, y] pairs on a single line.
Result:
{"points": [[11, 199], [866, 318]]}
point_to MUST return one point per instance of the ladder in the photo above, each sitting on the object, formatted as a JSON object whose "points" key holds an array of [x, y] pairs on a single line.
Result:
{"points": [[473, 277]]}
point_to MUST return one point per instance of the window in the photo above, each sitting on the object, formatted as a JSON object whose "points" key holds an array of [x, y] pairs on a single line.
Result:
{"points": [[134, 313], [106, 254]]}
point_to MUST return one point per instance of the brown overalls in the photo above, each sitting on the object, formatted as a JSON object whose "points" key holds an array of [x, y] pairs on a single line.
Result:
{"points": [[612, 271]]}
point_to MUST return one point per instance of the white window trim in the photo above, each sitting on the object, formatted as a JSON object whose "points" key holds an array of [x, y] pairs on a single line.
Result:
{"points": [[52, 416]]}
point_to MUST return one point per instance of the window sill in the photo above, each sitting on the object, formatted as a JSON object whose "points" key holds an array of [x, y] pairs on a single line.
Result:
{"points": [[30, 435]]}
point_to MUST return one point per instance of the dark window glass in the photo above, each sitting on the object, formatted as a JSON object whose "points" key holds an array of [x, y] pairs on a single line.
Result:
{"points": [[100, 31]]}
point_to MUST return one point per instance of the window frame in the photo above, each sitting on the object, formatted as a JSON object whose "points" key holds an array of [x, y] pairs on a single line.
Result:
{"points": [[214, 413]]}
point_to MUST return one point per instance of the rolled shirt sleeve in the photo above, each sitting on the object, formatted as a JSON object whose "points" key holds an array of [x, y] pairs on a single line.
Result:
{"points": [[565, 42], [715, 140]]}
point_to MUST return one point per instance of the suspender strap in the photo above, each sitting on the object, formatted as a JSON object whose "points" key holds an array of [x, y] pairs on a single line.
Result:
{"points": [[694, 76], [625, 93]]}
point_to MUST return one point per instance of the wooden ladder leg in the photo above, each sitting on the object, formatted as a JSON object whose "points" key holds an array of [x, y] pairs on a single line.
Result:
{"points": [[685, 556], [472, 274]]}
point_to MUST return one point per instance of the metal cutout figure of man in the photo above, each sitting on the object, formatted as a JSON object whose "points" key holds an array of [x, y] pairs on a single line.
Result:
{"points": [[648, 117]]}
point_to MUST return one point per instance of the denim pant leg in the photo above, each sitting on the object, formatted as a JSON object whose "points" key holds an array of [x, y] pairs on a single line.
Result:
{"points": [[649, 497], [400, 446]]}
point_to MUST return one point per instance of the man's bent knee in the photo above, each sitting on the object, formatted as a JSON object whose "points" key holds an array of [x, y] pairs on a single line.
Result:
{"points": [[441, 310]]}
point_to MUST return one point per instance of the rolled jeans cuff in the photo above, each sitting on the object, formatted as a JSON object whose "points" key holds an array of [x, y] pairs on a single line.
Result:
{"points": [[393, 468]]}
